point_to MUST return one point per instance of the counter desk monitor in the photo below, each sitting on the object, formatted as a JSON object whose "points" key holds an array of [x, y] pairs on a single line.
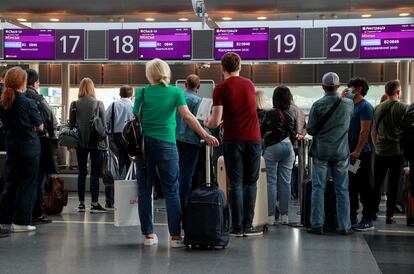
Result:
{"points": [[206, 87]]}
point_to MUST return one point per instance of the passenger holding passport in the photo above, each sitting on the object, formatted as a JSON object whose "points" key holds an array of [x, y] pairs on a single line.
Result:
{"points": [[360, 147]]}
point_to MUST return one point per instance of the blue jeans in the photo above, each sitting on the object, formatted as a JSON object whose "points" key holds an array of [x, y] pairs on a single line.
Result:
{"points": [[37, 209], [242, 160], [188, 154], [96, 161], [163, 155], [339, 172], [279, 161]]}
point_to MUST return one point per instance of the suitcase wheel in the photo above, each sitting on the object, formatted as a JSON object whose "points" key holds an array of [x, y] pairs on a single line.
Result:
{"points": [[265, 228]]}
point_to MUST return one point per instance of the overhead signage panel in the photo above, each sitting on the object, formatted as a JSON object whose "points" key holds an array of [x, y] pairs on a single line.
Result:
{"points": [[249, 43], [29, 44], [170, 44]]}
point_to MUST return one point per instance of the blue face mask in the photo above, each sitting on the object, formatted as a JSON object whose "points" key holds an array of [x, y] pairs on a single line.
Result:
{"points": [[350, 94]]}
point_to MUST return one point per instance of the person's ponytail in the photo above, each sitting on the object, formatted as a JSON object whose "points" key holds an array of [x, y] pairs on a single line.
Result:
{"points": [[14, 79], [7, 97], [164, 80]]}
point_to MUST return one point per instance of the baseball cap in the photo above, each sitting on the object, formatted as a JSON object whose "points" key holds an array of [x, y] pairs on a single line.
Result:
{"points": [[330, 79]]}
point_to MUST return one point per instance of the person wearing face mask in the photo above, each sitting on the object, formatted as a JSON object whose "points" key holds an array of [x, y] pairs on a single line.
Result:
{"points": [[360, 148], [388, 154]]}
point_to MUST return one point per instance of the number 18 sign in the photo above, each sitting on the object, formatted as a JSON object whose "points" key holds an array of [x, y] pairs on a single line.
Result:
{"points": [[70, 44], [284, 43], [122, 44]]}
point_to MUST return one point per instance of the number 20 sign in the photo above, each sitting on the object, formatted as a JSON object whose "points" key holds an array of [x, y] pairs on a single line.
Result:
{"points": [[284, 43], [343, 42]]}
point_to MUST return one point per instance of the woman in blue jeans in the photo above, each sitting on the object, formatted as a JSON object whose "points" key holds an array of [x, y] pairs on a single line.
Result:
{"points": [[159, 106], [278, 131], [81, 112]]}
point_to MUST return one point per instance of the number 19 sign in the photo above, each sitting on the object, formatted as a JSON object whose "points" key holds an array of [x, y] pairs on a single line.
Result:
{"points": [[70, 44], [122, 44], [284, 43], [343, 42]]}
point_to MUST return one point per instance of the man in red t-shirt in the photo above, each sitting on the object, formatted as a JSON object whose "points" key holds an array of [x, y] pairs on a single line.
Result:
{"points": [[234, 102]]}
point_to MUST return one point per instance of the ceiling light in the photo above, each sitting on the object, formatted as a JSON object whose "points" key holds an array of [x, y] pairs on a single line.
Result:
{"points": [[366, 15], [21, 19], [261, 18], [183, 19], [227, 18], [404, 14], [149, 19], [54, 20]]}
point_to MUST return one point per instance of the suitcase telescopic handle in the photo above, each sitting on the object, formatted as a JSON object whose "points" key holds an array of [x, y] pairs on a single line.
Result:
{"points": [[208, 174]]}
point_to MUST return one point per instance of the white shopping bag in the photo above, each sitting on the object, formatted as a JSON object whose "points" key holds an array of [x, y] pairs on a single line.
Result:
{"points": [[126, 200]]}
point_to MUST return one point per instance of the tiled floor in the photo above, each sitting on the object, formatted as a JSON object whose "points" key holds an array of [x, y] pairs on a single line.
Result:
{"points": [[86, 243]]}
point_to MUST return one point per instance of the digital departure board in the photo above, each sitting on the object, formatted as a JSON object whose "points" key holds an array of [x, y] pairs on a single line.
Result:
{"points": [[29, 44], [387, 41], [249, 43], [164, 43]]}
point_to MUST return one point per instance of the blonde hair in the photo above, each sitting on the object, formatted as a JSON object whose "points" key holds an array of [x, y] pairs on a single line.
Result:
{"points": [[86, 88], [15, 78], [158, 71], [260, 99]]}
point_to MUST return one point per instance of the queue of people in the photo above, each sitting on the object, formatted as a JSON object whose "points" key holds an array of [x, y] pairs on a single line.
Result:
{"points": [[345, 128]]}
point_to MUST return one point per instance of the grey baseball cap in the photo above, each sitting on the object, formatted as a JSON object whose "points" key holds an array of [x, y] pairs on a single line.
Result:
{"points": [[330, 79]]}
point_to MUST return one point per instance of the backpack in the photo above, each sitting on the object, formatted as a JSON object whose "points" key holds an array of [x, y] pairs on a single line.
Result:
{"points": [[97, 127], [49, 120], [133, 132], [407, 134], [55, 197]]}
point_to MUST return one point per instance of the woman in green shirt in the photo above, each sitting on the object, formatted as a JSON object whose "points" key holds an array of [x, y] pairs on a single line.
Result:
{"points": [[160, 103]]}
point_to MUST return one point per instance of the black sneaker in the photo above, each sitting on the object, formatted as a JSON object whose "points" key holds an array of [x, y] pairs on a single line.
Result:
{"points": [[252, 231], [346, 231], [41, 220], [389, 220], [109, 206], [236, 233], [81, 208], [97, 209], [315, 230]]}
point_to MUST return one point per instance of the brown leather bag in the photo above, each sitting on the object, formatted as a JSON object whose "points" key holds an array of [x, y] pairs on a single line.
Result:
{"points": [[55, 197]]}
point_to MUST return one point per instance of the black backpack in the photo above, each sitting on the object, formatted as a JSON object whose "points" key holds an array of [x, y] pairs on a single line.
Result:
{"points": [[49, 119], [407, 134], [133, 133], [97, 126]]}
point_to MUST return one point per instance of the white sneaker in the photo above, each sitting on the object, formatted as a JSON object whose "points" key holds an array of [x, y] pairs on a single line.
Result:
{"points": [[150, 240], [177, 243], [271, 220], [22, 228], [284, 219]]}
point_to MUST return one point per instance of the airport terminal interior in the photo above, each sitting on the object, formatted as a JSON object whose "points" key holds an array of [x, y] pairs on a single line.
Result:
{"points": [[292, 43]]}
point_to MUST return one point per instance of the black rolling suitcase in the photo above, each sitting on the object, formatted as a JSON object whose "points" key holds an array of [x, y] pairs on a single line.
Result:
{"points": [[206, 219], [330, 205]]}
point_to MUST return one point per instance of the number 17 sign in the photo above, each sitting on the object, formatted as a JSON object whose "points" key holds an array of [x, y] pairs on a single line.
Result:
{"points": [[284, 43], [70, 44]]}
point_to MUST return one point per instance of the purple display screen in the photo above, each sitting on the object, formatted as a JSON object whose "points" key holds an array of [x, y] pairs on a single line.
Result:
{"points": [[387, 41], [343, 42], [249, 43], [29, 44], [70, 44], [164, 43], [284, 43]]}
